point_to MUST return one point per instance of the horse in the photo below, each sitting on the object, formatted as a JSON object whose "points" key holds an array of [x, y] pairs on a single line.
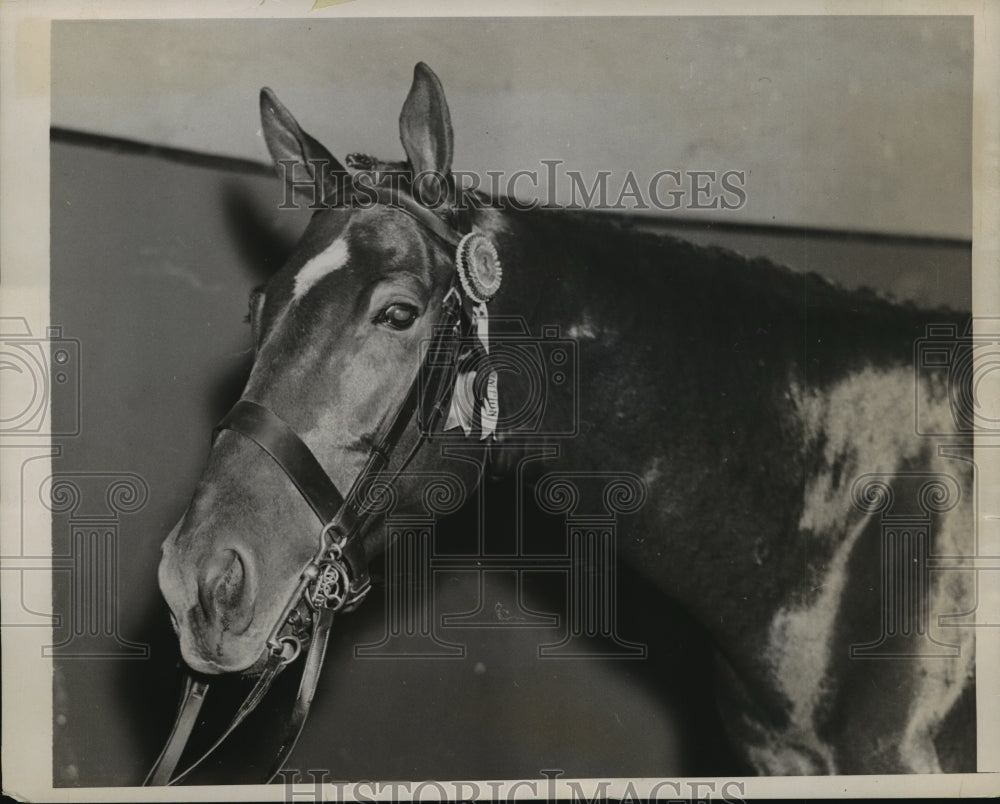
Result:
{"points": [[768, 413]]}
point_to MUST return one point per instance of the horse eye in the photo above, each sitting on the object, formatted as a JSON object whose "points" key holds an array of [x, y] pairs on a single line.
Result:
{"points": [[398, 316]]}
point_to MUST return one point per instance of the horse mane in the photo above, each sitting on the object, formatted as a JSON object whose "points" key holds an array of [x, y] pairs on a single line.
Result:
{"points": [[714, 293], [631, 239]]}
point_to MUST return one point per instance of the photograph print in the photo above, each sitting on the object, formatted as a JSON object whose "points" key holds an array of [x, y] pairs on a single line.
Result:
{"points": [[539, 398]]}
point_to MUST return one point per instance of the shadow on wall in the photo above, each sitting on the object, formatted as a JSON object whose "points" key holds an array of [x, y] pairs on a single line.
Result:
{"points": [[152, 264]]}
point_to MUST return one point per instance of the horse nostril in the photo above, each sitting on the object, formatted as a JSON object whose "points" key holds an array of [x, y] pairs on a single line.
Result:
{"points": [[225, 593], [230, 583]]}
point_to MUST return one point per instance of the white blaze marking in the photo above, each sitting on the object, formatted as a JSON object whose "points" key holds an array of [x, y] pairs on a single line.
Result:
{"points": [[333, 258]]}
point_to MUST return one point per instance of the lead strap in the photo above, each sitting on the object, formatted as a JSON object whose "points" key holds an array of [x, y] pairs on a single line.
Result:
{"points": [[307, 690], [195, 691], [254, 697], [194, 696]]}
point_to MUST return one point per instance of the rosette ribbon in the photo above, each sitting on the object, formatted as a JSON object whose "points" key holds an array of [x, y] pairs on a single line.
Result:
{"points": [[480, 273]]}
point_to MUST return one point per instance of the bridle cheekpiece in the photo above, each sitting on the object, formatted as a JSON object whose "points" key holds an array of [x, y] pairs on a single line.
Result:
{"points": [[336, 579]]}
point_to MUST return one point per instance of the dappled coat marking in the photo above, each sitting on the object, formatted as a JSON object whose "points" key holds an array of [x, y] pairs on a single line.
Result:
{"points": [[802, 637]]}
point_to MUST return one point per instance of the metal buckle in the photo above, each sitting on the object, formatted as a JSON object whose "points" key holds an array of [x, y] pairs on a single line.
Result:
{"points": [[330, 585], [336, 537], [356, 597], [288, 648], [330, 588]]}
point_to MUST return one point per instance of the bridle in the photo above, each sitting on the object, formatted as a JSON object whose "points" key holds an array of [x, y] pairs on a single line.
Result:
{"points": [[336, 578]]}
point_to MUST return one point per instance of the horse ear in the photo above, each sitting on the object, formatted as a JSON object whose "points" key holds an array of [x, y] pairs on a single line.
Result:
{"points": [[425, 129], [290, 145]]}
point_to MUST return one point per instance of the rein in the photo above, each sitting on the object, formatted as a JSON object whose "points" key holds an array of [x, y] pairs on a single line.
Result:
{"points": [[336, 579]]}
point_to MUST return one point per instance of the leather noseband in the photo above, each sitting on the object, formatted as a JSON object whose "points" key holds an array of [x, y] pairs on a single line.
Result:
{"points": [[336, 578]]}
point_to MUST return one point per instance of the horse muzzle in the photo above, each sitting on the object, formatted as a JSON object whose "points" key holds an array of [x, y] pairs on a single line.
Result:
{"points": [[215, 618]]}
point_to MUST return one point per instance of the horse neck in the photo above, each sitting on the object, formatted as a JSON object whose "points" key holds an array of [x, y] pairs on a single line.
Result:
{"points": [[686, 358], [554, 264]]}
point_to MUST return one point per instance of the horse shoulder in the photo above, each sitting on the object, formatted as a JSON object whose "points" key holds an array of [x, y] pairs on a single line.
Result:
{"points": [[851, 430]]}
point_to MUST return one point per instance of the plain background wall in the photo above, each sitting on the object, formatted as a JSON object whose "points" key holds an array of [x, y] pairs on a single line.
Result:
{"points": [[152, 262], [840, 122]]}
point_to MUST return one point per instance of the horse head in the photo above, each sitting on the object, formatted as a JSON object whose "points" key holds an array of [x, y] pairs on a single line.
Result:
{"points": [[340, 334]]}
